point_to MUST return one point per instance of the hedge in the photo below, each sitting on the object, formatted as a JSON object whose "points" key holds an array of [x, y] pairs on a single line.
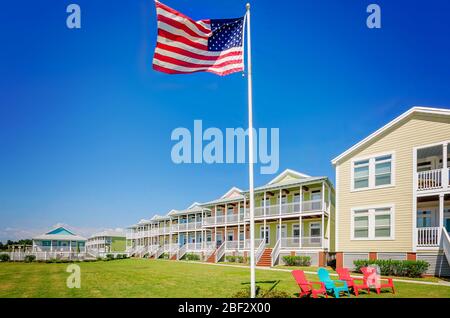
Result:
{"points": [[394, 267], [297, 260]]}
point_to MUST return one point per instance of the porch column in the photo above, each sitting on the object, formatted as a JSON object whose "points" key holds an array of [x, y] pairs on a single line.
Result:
{"points": [[239, 225], [323, 198], [441, 215], [322, 232], [301, 199], [170, 230], [445, 171], [264, 204], [300, 232], [226, 213]]}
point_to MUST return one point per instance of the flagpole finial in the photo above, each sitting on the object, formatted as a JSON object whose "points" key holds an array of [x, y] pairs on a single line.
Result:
{"points": [[247, 6]]}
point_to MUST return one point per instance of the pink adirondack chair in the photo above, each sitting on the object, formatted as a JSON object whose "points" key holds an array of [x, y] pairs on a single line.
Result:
{"points": [[368, 273], [306, 287], [344, 274]]}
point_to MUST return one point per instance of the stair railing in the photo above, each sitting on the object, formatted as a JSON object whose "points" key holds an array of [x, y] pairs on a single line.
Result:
{"points": [[259, 251], [275, 252], [445, 243], [181, 251], [220, 252]]}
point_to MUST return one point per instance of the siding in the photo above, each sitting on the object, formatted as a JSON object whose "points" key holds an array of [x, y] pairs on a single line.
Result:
{"points": [[438, 264], [393, 256], [350, 257], [419, 130]]}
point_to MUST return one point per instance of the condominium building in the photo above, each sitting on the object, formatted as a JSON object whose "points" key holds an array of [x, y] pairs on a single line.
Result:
{"points": [[393, 192], [108, 241], [294, 215]]}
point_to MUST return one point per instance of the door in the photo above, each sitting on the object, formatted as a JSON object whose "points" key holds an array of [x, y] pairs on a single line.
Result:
{"points": [[265, 233], [283, 231], [296, 203], [316, 198], [296, 233], [315, 233], [219, 238]]}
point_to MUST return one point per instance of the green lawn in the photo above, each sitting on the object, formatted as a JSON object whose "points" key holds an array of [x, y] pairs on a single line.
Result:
{"points": [[157, 278]]}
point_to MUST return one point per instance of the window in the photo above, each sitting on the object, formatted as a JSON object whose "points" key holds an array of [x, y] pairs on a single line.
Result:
{"points": [[372, 223], [314, 229], [373, 172], [230, 235], [241, 236], [383, 222], [383, 170], [361, 174], [361, 224], [295, 230]]}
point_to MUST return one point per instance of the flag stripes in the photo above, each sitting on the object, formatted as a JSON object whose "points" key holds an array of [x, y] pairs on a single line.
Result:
{"points": [[183, 47]]}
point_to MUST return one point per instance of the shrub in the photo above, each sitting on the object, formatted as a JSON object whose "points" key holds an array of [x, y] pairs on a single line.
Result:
{"points": [[239, 259], [109, 257], [165, 256], [231, 258], [297, 260], [4, 258], [30, 258], [394, 267], [192, 257]]}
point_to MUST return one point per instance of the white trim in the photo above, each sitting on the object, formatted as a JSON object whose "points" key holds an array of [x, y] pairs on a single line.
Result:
{"points": [[230, 191], [336, 212], [287, 172], [405, 115], [371, 166], [371, 222]]}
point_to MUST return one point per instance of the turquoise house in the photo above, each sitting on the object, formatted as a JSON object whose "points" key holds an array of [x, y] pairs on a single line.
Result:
{"points": [[59, 239]]}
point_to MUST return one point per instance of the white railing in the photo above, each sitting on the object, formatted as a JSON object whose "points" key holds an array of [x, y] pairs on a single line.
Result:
{"points": [[223, 219], [303, 242], [159, 252], [275, 252], [446, 243], [194, 246], [429, 180], [287, 209], [428, 236], [220, 252], [181, 251], [259, 251]]}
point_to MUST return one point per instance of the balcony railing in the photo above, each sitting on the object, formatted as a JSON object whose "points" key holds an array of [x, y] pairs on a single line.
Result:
{"points": [[241, 245], [429, 180], [223, 219], [303, 242], [428, 236], [287, 209]]}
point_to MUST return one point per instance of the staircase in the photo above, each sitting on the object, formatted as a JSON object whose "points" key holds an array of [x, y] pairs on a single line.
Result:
{"points": [[211, 258], [445, 243], [266, 258]]}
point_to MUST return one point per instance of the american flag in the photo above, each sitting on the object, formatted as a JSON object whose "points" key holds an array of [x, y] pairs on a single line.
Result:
{"points": [[188, 46]]}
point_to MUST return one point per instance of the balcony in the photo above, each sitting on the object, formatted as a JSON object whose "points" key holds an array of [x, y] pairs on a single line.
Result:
{"points": [[189, 226], [223, 219], [433, 179], [304, 242], [288, 209]]}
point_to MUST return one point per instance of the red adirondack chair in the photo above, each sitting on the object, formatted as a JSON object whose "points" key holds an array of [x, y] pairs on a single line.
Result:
{"points": [[306, 287], [344, 274], [384, 282]]}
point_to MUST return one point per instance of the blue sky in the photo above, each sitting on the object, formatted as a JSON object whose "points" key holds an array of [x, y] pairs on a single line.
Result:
{"points": [[85, 123]]}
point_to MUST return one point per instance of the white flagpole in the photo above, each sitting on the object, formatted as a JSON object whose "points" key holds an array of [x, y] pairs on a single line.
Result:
{"points": [[250, 157]]}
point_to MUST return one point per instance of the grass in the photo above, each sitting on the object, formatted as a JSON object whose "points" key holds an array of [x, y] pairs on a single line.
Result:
{"points": [[159, 278]]}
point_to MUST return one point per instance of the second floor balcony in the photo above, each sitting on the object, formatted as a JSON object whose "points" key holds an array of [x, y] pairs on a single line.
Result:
{"points": [[432, 167]]}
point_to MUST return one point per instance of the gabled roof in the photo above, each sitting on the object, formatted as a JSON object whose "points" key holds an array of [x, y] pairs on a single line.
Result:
{"points": [[233, 192], [394, 123], [287, 175], [59, 233], [108, 233]]}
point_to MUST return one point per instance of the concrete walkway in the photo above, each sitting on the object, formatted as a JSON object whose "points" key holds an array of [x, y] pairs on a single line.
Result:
{"points": [[408, 281]]}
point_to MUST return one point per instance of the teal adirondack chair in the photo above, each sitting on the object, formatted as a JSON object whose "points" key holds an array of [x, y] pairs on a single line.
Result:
{"points": [[332, 285]]}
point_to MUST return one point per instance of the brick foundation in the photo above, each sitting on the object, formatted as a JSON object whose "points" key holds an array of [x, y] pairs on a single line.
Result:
{"points": [[373, 256], [411, 256], [339, 260]]}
